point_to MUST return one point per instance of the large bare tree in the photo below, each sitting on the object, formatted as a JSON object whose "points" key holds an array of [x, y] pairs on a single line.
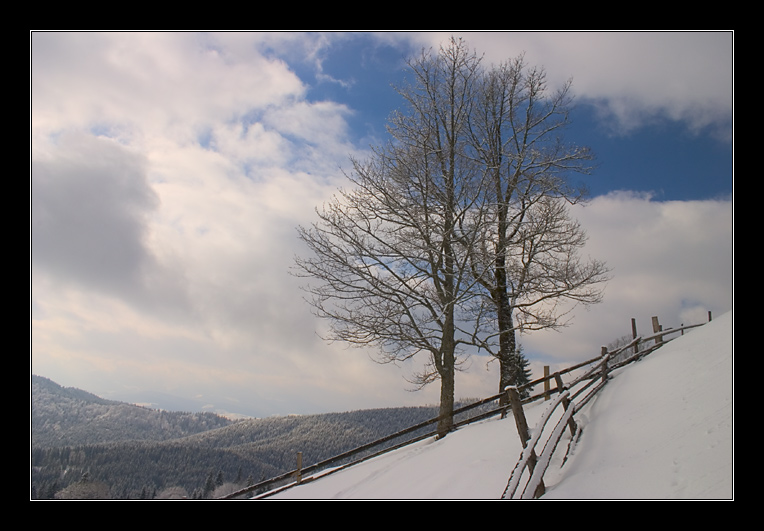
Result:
{"points": [[532, 255], [391, 262]]}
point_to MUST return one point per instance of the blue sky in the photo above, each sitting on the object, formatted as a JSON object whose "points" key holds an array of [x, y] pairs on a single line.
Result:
{"points": [[169, 171]]}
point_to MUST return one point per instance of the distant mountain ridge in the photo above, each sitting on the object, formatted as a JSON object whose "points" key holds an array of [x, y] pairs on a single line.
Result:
{"points": [[67, 416]]}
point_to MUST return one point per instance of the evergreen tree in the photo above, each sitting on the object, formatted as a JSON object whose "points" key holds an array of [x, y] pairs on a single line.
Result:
{"points": [[522, 372], [209, 486]]}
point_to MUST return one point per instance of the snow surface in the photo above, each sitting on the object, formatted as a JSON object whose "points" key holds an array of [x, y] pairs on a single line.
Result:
{"points": [[662, 428]]}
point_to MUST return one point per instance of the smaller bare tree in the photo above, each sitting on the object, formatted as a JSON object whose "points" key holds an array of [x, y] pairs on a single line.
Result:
{"points": [[529, 264], [390, 259]]}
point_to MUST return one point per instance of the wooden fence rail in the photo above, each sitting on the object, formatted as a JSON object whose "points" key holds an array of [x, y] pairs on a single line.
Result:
{"points": [[567, 396], [294, 477]]}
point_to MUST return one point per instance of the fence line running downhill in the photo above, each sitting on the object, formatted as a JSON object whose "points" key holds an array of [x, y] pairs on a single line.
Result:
{"points": [[527, 478]]}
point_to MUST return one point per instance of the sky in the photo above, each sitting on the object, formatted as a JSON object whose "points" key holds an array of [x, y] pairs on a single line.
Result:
{"points": [[169, 173]]}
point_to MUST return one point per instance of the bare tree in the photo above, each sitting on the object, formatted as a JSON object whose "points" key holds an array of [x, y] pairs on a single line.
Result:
{"points": [[530, 262], [390, 257], [456, 234]]}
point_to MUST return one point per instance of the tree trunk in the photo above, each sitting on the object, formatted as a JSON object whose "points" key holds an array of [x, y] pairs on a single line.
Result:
{"points": [[507, 341], [446, 414], [446, 368], [507, 345]]}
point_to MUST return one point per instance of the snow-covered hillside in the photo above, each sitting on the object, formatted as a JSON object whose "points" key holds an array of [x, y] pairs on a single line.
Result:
{"points": [[662, 428]]}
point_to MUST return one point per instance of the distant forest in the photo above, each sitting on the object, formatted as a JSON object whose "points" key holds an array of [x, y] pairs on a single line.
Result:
{"points": [[86, 447]]}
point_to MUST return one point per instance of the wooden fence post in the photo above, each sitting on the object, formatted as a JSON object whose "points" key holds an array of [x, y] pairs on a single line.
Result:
{"points": [[522, 429], [298, 472], [634, 334], [657, 328], [547, 386], [503, 401], [565, 403], [605, 360]]}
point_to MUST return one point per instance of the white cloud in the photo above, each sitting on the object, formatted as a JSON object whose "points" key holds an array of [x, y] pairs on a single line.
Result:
{"points": [[634, 77], [151, 80], [670, 259]]}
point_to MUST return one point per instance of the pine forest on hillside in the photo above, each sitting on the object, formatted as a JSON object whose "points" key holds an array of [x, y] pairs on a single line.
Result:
{"points": [[85, 446]]}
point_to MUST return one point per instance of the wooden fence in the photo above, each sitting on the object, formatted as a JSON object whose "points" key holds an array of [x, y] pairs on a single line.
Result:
{"points": [[526, 479], [366, 451]]}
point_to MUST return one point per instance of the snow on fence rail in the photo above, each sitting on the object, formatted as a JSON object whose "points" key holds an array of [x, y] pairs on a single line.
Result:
{"points": [[531, 467]]}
